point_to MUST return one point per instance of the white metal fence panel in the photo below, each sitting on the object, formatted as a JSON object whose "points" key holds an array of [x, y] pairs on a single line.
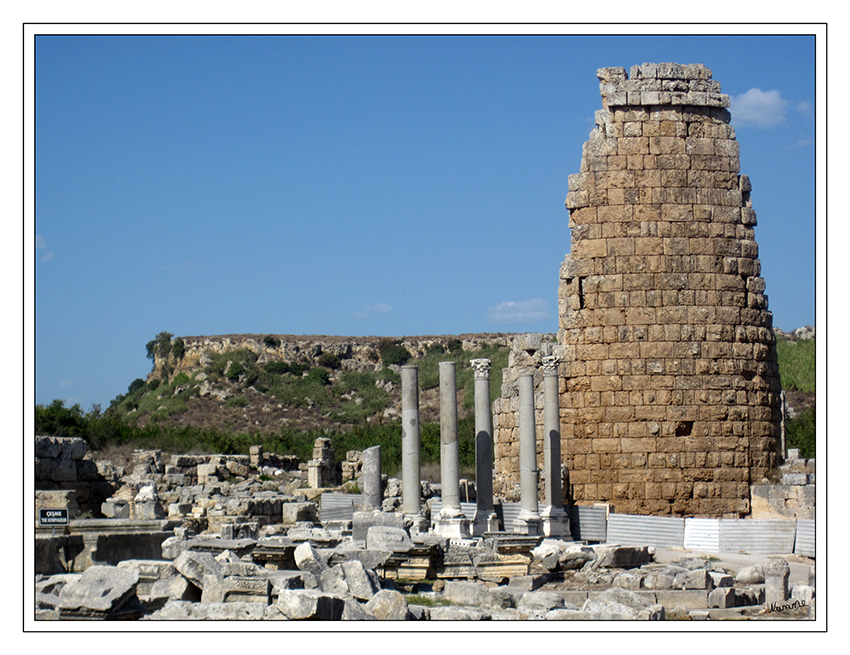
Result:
{"points": [[468, 509], [338, 507], [702, 534], [757, 536], [510, 512], [662, 531], [804, 541], [589, 522]]}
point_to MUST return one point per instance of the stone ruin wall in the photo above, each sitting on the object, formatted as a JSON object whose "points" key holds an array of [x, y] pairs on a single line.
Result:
{"points": [[669, 391]]}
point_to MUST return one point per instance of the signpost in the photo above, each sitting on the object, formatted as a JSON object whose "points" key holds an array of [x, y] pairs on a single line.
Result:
{"points": [[52, 516]]}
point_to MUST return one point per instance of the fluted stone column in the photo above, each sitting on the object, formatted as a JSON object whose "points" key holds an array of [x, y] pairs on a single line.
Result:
{"points": [[556, 521], [370, 479], [410, 469], [451, 521], [528, 521], [485, 519]]}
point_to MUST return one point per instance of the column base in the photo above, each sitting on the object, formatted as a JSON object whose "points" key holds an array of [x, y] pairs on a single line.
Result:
{"points": [[484, 521], [416, 523], [459, 527], [532, 525], [556, 522]]}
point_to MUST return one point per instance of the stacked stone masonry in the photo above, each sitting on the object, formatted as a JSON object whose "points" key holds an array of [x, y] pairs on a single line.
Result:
{"points": [[670, 393]]}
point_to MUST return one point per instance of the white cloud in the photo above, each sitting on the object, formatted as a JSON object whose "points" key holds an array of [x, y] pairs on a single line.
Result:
{"points": [[759, 108], [523, 311], [41, 244], [380, 308]]}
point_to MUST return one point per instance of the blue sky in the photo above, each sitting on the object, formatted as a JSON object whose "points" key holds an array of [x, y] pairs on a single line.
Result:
{"points": [[353, 185]]}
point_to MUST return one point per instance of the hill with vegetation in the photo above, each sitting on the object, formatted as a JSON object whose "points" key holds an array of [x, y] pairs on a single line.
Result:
{"points": [[223, 394]]}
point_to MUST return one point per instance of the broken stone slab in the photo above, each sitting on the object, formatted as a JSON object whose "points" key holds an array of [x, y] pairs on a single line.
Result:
{"points": [[696, 579], [101, 592], [541, 600], [355, 611], [174, 588], [529, 582], [463, 592], [458, 614], [275, 552], [283, 580], [47, 589], [293, 513], [195, 566], [572, 559], [623, 557], [617, 603], [629, 580], [299, 604], [217, 545], [750, 575], [389, 605], [309, 560], [384, 537], [719, 579], [362, 583], [173, 546], [351, 551], [149, 572], [722, 597], [236, 589], [182, 610], [362, 521]]}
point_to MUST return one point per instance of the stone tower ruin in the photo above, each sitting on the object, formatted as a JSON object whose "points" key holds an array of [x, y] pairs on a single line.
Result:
{"points": [[670, 393]]}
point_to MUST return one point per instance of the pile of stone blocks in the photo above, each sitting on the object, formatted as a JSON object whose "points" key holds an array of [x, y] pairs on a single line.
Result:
{"points": [[321, 470], [351, 468], [66, 477], [793, 496]]}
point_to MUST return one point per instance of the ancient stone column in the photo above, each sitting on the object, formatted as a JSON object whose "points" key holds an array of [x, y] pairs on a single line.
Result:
{"points": [[776, 573], [528, 521], [485, 519], [451, 521], [410, 469], [370, 479], [556, 521]]}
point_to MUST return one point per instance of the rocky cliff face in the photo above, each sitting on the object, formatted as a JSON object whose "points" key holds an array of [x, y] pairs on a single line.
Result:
{"points": [[265, 383], [354, 353]]}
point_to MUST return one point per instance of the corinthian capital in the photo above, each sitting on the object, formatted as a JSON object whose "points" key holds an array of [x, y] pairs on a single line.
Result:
{"points": [[481, 368], [550, 365]]}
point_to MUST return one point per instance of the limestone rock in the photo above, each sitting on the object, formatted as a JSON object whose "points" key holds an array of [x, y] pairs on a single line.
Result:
{"points": [[388, 605], [101, 591]]}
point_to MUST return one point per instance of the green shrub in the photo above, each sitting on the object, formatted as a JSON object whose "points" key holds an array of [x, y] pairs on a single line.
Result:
{"points": [[271, 342], [329, 360], [396, 355], [319, 375], [159, 346], [237, 401], [455, 346], [181, 378], [800, 433], [282, 368], [135, 386], [178, 348], [796, 364], [234, 370]]}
